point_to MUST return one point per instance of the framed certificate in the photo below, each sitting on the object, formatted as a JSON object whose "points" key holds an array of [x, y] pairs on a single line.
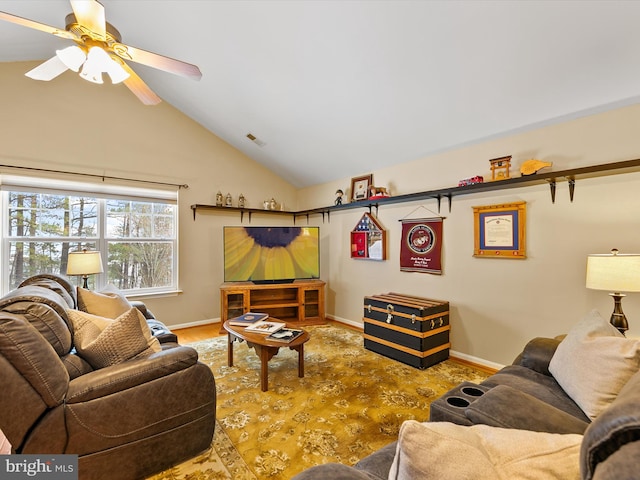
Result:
{"points": [[499, 231], [360, 187]]}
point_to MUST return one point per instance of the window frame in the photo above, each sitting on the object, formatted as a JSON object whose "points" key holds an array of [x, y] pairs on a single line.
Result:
{"points": [[102, 193]]}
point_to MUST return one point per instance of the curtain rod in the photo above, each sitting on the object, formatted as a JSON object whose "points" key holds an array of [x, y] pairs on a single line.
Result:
{"points": [[103, 177]]}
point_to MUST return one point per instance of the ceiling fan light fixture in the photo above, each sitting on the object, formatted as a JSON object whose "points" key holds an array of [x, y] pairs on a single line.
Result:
{"points": [[73, 57], [117, 73], [99, 62], [91, 74], [98, 50]]}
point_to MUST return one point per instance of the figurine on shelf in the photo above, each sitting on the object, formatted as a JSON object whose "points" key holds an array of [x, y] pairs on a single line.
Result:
{"points": [[219, 199], [339, 194], [241, 201], [272, 204], [378, 192], [533, 166], [500, 168], [228, 201]]}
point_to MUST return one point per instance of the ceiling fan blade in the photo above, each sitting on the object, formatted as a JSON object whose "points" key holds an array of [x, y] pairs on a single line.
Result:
{"points": [[90, 14], [25, 22], [154, 60], [48, 70], [139, 88]]}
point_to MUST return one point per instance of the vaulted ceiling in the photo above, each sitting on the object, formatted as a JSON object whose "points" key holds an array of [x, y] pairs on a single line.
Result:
{"points": [[335, 89]]}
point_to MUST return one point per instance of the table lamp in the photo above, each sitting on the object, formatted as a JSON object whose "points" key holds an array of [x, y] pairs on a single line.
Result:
{"points": [[84, 263], [616, 272]]}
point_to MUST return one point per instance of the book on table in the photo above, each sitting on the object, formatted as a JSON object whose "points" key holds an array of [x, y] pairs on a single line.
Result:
{"points": [[248, 318], [285, 335], [265, 326]]}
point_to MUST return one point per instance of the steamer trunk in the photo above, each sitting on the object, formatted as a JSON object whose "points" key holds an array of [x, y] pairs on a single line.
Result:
{"points": [[413, 330]]}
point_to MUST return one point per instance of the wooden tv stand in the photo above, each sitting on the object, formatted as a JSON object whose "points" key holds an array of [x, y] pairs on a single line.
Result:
{"points": [[301, 301]]}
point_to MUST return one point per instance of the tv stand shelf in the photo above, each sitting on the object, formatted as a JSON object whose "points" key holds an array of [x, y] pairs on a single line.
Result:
{"points": [[301, 301]]}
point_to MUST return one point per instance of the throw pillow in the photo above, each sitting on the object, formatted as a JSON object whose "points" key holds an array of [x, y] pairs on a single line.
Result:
{"points": [[108, 302], [456, 452], [593, 362], [103, 342]]}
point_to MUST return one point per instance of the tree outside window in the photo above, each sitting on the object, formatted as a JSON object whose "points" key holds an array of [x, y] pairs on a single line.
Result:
{"points": [[137, 238]]}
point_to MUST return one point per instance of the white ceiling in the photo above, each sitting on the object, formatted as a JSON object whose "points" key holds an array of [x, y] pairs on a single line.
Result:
{"points": [[342, 88]]}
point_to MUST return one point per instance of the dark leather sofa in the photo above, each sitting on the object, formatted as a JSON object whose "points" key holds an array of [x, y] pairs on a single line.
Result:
{"points": [[526, 396], [125, 421]]}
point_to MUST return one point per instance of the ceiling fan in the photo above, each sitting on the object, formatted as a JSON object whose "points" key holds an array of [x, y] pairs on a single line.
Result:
{"points": [[98, 50]]}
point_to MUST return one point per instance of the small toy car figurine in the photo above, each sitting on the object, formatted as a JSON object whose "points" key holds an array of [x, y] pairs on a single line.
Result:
{"points": [[471, 181]]}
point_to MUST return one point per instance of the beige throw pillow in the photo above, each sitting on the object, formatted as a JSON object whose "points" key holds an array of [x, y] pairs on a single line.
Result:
{"points": [[103, 342], [108, 302], [443, 450], [593, 362]]}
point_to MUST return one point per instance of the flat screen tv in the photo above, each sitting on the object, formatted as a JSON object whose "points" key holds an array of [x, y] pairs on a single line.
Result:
{"points": [[271, 254]]}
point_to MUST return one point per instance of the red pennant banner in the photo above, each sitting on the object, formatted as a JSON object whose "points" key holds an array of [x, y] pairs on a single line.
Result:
{"points": [[421, 248]]}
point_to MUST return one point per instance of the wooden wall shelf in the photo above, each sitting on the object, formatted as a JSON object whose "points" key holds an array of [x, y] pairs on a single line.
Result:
{"points": [[551, 177]]}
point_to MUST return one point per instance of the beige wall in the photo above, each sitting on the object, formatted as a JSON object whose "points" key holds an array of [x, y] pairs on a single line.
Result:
{"points": [[69, 124], [496, 305]]}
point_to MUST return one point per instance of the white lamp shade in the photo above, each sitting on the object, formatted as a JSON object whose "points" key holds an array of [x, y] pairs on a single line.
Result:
{"points": [[99, 62], [84, 263], [614, 272], [73, 57], [117, 73]]}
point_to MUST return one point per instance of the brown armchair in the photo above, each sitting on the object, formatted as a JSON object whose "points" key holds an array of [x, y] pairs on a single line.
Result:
{"points": [[125, 421]]}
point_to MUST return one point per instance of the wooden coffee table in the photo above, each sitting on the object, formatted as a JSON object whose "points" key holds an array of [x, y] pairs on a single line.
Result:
{"points": [[265, 349]]}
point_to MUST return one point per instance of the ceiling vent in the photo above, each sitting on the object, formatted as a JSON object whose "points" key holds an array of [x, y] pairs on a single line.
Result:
{"points": [[255, 140]]}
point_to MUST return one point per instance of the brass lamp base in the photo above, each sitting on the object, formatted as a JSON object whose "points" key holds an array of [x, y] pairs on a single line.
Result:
{"points": [[618, 318]]}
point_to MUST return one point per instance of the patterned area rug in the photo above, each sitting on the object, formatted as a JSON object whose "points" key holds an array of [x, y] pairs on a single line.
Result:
{"points": [[350, 403]]}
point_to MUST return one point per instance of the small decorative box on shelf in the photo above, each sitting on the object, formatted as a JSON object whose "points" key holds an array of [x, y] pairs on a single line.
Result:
{"points": [[413, 330]]}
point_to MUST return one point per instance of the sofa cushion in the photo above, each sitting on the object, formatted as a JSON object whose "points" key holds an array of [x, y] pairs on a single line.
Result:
{"points": [[593, 363], [543, 387], [619, 465], [36, 294], [76, 365], [616, 427], [506, 407], [378, 463], [108, 302], [59, 284], [537, 354], [47, 321], [449, 451], [102, 341]]}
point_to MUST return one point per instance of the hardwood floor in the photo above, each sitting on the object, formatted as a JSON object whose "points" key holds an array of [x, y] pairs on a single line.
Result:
{"points": [[195, 334]]}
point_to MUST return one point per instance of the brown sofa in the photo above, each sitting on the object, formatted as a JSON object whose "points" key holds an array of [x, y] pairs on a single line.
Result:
{"points": [[127, 420]]}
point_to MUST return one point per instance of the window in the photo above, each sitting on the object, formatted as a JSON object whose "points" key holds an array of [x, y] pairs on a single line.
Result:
{"points": [[135, 233]]}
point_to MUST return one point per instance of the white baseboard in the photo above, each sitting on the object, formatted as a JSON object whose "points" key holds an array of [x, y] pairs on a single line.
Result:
{"points": [[475, 360], [462, 356], [198, 323], [351, 323]]}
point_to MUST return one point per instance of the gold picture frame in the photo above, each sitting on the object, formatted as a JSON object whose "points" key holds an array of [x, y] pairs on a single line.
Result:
{"points": [[360, 187], [499, 231]]}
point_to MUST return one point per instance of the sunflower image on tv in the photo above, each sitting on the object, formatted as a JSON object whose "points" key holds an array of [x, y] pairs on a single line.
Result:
{"points": [[270, 253]]}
